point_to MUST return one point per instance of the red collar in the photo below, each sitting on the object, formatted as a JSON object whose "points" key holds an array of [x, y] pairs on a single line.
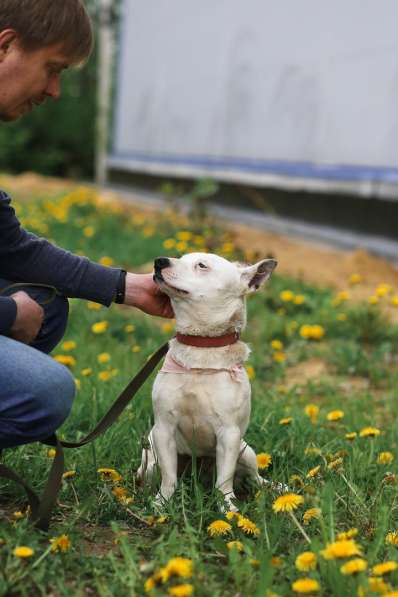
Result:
{"points": [[208, 341]]}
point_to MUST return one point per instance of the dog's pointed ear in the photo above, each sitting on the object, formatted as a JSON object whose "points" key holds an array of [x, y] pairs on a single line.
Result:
{"points": [[254, 276]]}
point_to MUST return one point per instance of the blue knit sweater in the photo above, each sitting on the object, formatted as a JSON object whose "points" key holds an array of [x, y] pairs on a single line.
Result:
{"points": [[26, 258]]}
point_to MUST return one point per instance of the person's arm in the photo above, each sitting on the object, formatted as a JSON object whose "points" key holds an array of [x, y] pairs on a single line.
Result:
{"points": [[8, 313], [25, 257]]}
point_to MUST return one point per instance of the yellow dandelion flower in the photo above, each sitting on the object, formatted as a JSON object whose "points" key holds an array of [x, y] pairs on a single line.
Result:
{"points": [[250, 372], [182, 246], [23, 552], [299, 299], [149, 585], [384, 568], [305, 585], [179, 567], [313, 472], [129, 328], [227, 248], [392, 539], [354, 566], [286, 296], [312, 411], [167, 327], [310, 514], [385, 458], [61, 543], [394, 301], [86, 372], [355, 279], [18, 515], [78, 383], [287, 502], [369, 432], [108, 261], [120, 494], [335, 415], [169, 243], [100, 327], [219, 527], [263, 460], [344, 535], [184, 235], [136, 348], [68, 345], [341, 549], [235, 545], [93, 306], [181, 590], [286, 421], [248, 527], [351, 435], [109, 474], [279, 356], [296, 481], [88, 231], [104, 357], [51, 453], [65, 359], [232, 515], [373, 300], [276, 562], [312, 332], [105, 375], [68, 474], [306, 561], [378, 585], [335, 463], [383, 289], [276, 345]]}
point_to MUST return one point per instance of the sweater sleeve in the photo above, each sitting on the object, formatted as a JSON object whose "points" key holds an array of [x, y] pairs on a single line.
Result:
{"points": [[25, 257], [8, 313]]}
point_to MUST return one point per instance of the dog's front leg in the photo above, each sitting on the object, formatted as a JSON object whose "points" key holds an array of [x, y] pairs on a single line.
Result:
{"points": [[228, 443], [164, 439]]}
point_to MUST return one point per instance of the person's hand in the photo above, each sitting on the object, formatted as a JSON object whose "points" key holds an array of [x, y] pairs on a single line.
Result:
{"points": [[29, 318], [143, 293]]}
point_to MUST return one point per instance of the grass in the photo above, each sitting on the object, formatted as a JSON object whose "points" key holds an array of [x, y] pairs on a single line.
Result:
{"points": [[119, 542]]}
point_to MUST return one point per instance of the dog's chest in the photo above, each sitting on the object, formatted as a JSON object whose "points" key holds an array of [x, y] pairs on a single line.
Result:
{"points": [[201, 406]]}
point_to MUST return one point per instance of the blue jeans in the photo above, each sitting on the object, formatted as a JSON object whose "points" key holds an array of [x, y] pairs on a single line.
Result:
{"points": [[36, 392]]}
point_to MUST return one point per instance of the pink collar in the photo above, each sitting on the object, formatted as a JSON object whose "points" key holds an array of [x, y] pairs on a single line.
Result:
{"points": [[237, 372], [208, 341]]}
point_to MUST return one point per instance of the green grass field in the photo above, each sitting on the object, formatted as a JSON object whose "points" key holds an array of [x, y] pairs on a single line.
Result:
{"points": [[332, 439]]}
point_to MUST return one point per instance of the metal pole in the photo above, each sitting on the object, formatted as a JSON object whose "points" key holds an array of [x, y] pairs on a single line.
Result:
{"points": [[105, 54]]}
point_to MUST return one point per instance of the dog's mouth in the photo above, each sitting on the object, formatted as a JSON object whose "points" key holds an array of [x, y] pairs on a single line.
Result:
{"points": [[158, 279]]}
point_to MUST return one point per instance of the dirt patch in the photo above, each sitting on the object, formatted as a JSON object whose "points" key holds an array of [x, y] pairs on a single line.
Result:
{"points": [[303, 372]]}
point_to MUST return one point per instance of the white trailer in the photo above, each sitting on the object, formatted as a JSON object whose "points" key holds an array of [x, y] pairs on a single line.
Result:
{"points": [[278, 93]]}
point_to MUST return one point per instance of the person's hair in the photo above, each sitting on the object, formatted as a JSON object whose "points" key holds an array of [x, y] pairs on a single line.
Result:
{"points": [[43, 23]]}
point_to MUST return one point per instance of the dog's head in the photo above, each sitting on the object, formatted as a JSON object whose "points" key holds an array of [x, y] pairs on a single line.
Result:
{"points": [[207, 291]]}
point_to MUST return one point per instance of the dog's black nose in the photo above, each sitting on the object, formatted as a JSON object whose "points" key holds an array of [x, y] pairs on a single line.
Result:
{"points": [[161, 263]]}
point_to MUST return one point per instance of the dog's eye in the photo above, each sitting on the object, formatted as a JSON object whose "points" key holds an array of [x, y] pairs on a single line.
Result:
{"points": [[202, 265]]}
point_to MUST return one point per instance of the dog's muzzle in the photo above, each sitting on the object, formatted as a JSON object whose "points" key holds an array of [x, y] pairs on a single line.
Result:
{"points": [[160, 263]]}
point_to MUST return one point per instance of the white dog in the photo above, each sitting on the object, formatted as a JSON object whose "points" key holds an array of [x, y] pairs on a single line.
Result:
{"points": [[201, 396]]}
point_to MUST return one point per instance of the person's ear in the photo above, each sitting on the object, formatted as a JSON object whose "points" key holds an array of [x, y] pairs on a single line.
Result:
{"points": [[7, 38], [254, 276]]}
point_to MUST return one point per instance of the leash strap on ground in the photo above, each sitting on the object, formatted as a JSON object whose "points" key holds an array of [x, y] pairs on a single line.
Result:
{"points": [[41, 509]]}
